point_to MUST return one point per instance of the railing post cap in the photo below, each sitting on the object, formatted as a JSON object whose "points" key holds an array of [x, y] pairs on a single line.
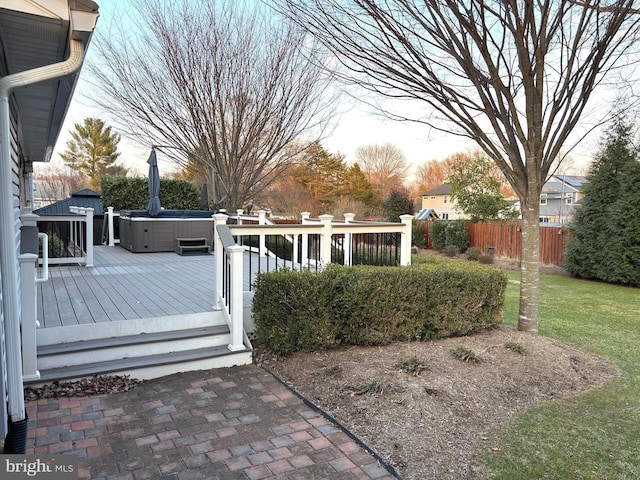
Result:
{"points": [[325, 216], [27, 257]]}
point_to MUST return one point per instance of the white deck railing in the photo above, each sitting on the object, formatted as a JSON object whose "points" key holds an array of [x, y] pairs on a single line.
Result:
{"points": [[80, 242], [229, 252]]}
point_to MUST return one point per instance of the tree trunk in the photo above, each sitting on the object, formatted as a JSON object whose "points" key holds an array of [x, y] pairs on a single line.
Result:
{"points": [[530, 264]]}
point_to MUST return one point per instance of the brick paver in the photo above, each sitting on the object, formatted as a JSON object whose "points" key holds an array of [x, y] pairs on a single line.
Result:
{"points": [[219, 424]]}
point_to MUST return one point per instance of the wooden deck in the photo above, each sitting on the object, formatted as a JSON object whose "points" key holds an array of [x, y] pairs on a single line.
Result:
{"points": [[127, 286], [124, 285]]}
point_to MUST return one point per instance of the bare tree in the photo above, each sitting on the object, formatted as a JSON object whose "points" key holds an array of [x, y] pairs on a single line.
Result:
{"points": [[222, 83], [431, 174], [54, 182], [515, 76], [384, 166]]}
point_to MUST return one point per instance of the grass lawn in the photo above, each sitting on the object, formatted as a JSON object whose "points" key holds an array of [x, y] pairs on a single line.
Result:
{"points": [[592, 436]]}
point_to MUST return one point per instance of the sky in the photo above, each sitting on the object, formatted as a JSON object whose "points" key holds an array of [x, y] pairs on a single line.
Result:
{"points": [[357, 126]]}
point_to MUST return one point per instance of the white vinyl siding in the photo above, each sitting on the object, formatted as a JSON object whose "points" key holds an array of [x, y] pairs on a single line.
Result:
{"points": [[15, 174]]}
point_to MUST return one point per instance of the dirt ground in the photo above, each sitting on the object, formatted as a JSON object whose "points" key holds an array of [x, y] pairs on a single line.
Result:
{"points": [[434, 424]]}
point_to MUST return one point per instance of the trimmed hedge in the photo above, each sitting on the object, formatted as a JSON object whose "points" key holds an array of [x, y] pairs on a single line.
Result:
{"points": [[375, 305], [124, 193]]}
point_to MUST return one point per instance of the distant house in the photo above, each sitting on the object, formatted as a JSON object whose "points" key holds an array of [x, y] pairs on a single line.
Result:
{"points": [[559, 196], [439, 200]]}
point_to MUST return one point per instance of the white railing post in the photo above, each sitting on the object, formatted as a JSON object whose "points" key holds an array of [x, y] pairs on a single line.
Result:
{"points": [[111, 240], [405, 240], [348, 218], [28, 262], [44, 238], [304, 257], [239, 221], [89, 237], [294, 240], [218, 249], [236, 298], [325, 239], [262, 220]]}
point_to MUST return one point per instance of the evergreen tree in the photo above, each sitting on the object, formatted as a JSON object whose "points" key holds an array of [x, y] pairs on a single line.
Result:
{"points": [[92, 150], [357, 187], [605, 230], [396, 204], [323, 175]]}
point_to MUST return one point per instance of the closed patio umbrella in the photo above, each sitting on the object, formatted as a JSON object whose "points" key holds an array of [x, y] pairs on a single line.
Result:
{"points": [[204, 197], [154, 185]]}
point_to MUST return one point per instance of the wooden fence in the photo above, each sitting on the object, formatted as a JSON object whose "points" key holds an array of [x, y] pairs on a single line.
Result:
{"points": [[506, 240]]}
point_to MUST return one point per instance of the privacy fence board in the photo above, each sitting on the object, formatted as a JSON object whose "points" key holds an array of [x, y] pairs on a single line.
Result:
{"points": [[506, 240]]}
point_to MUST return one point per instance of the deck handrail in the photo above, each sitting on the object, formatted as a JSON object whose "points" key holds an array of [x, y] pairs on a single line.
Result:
{"points": [[80, 239], [229, 275]]}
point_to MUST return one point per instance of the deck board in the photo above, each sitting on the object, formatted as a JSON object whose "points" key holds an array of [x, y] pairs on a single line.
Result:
{"points": [[126, 286], [122, 285]]}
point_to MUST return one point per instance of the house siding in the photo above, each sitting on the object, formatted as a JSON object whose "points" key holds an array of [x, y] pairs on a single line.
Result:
{"points": [[15, 174], [443, 205], [556, 209]]}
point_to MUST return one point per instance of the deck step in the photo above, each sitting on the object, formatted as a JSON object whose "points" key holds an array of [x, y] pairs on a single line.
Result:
{"points": [[143, 349], [139, 339], [151, 366]]}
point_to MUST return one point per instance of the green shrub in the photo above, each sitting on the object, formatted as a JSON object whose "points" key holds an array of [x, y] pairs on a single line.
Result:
{"points": [[456, 234], [437, 234], [418, 234], [375, 305], [413, 366], [472, 254], [373, 387], [465, 354], [55, 247], [451, 250], [124, 193]]}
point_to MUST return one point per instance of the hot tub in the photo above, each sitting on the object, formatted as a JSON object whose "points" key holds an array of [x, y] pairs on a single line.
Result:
{"points": [[142, 233]]}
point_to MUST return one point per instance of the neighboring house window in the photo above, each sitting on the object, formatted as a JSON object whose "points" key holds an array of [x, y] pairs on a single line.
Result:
{"points": [[543, 199], [544, 219], [569, 200], [433, 198], [445, 216], [445, 199]]}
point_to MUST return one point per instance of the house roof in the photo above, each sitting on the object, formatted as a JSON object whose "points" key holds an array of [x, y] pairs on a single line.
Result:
{"points": [[444, 189], [82, 198], [563, 183], [33, 34], [573, 180]]}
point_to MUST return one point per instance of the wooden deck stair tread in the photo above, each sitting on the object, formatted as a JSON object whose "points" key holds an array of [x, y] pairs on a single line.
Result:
{"points": [[143, 338], [113, 366]]}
